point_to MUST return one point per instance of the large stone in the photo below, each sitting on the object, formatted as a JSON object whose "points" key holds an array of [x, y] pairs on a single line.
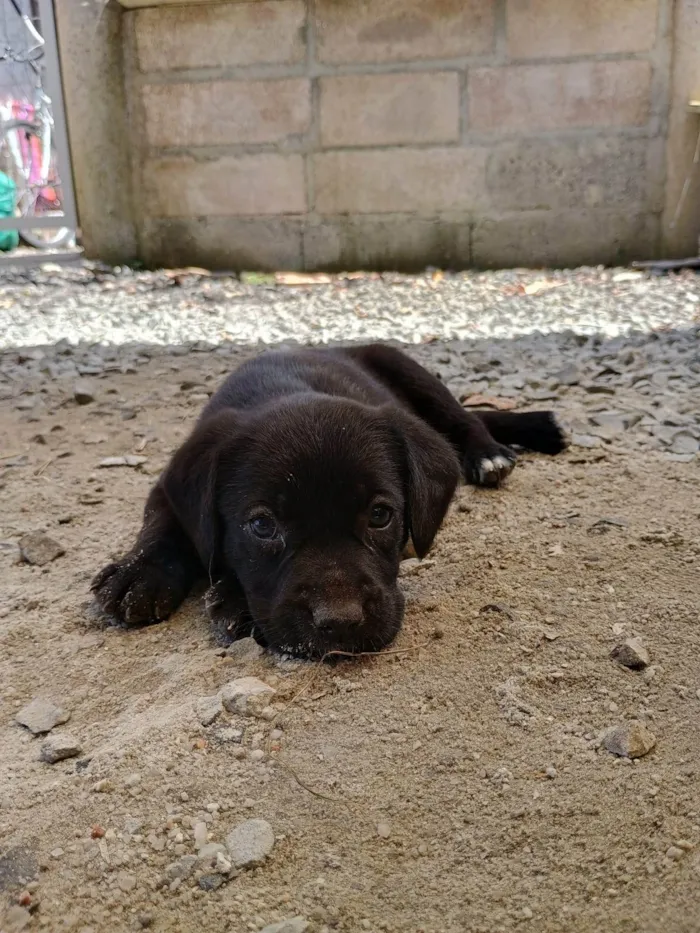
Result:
{"points": [[59, 747], [526, 98], [401, 30], [560, 28], [383, 110], [630, 739], [222, 35], [266, 183], [400, 180], [41, 716], [250, 843], [220, 113], [246, 695], [39, 549], [631, 653]]}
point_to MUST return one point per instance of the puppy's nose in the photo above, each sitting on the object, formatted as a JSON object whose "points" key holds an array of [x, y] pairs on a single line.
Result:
{"points": [[337, 615]]}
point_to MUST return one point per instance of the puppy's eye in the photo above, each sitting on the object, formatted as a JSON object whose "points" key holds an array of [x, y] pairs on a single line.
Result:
{"points": [[380, 516], [264, 526]]}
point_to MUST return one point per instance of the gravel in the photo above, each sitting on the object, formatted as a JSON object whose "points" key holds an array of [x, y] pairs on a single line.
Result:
{"points": [[105, 306]]}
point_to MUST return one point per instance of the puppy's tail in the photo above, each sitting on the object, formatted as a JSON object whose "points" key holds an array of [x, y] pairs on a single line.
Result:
{"points": [[533, 430]]}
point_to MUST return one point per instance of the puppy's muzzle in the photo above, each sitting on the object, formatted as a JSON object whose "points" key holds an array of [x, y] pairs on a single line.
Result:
{"points": [[338, 618]]}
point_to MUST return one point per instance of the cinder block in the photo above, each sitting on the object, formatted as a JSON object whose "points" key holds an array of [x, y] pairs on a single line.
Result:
{"points": [[555, 174], [231, 243], [401, 30], [384, 181], [527, 98], [220, 113], [560, 28], [567, 238], [383, 110], [402, 243], [266, 183], [220, 35]]}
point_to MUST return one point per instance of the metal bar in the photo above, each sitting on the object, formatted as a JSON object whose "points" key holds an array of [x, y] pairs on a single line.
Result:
{"points": [[44, 222], [52, 70]]}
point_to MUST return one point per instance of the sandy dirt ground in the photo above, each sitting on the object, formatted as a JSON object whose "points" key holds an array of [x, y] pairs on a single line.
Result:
{"points": [[454, 786]]}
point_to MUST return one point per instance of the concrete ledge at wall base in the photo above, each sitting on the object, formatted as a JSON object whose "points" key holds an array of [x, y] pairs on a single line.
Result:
{"points": [[568, 238], [402, 242]]}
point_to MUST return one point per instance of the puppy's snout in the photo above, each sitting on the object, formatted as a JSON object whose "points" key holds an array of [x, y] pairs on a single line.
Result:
{"points": [[335, 616]]}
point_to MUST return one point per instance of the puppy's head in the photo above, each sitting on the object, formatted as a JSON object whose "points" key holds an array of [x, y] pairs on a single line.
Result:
{"points": [[309, 505]]}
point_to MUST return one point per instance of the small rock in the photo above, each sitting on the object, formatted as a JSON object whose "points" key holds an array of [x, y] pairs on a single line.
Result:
{"points": [[208, 709], [128, 460], [222, 864], [551, 772], [631, 653], [211, 882], [293, 925], [105, 786], [237, 694], [83, 392], [126, 882], [145, 920], [674, 853], [183, 868], [59, 747], [41, 716], [38, 549], [589, 441], [250, 843], [208, 854], [630, 739], [684, 443], [201, 834], [245, 649], [383, 830], [15, 920]]}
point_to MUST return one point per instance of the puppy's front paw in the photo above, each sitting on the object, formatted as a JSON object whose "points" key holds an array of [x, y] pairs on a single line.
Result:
{"points": [[489, 467], [139, 590], [228, 612]]}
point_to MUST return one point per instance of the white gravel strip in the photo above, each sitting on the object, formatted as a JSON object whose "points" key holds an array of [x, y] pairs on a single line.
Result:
{"points": [[122, 307]]}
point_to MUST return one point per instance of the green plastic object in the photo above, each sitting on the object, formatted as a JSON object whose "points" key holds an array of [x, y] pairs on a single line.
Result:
{"points": [[9, 239]]}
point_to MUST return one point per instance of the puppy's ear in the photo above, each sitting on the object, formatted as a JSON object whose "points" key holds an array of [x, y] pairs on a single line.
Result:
{"points": [[190, 481], [432, 473]]}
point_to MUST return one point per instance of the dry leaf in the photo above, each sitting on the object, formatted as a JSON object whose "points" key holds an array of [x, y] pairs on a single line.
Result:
{"points": [[302, 278], [489, 401], [540, 285]]}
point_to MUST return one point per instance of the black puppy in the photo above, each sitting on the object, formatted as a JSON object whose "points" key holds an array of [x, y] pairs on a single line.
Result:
{"points": [[298, 490]]}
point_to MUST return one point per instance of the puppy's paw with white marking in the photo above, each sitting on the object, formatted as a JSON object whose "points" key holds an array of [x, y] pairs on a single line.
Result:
{"points": [[489, 467]]}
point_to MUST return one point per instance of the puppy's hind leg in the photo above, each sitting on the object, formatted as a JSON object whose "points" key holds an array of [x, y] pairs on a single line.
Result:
{"points": [[539, 431]]}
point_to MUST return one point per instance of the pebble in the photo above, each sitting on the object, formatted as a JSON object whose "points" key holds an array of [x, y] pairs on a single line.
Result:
{"points": [[15, 920], [201, 834], [674, 853], [207, 855], [383, 830], [39, 549], [126, 882], [293, 925], [250, 843], [83, 392], [183, 868], [41, 716], [59, 747], [208, 709], [631, 653], [246, 696], [629, 739], [105, 786], [128, 460], [245, 649], [211, 882]]}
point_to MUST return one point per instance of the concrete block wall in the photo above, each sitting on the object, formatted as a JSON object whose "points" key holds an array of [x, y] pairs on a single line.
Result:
{"points": [[336, 134]]}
